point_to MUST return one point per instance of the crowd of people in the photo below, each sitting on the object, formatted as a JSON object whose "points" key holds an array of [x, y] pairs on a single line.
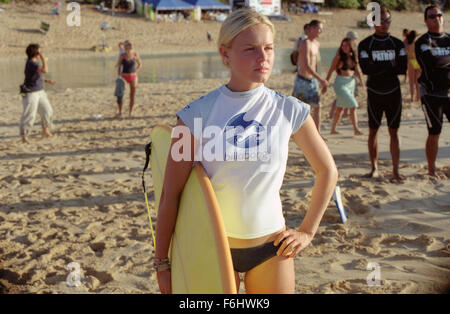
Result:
{"points": [[261, 244], [382, 58]]}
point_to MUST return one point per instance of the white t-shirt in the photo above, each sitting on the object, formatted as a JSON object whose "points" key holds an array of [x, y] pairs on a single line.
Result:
{"points": [[243, 145]]}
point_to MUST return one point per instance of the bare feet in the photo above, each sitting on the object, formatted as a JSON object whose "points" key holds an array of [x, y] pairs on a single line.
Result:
{"points": [[358, 132], [372, 174], [46, 132], [436, 175], [25, 140], [334, 132], [397, 178]]}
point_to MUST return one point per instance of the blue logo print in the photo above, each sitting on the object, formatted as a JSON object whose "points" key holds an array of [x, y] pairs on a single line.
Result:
{"points": [[246, 133]]}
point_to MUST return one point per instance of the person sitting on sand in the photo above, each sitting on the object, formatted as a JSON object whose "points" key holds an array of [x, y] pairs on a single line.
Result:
{"points": [[346, 65], [261, 245], [34, 98], [128, 65]]}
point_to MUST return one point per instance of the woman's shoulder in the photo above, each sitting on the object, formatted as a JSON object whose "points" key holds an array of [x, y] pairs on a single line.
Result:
{"points": [[204, 102], [286, 101]]}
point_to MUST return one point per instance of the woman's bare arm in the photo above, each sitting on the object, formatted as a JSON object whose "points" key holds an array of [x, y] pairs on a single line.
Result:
{"points": [[316, 152]]}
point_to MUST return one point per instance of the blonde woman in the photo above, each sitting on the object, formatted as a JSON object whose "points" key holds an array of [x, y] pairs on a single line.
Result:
{"points": [[247, 190]]}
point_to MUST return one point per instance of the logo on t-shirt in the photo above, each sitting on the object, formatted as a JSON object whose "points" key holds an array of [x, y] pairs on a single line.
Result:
{"points": [[383, 55], [245, 133], [246, 139], [364, 55]]}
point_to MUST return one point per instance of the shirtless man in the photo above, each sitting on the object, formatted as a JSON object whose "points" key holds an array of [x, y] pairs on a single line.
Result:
{"points": [[307, 80]]}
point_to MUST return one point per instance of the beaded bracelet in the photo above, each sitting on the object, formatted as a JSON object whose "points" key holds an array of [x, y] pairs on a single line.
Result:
{"points": [[161, 260], [161, 267]]}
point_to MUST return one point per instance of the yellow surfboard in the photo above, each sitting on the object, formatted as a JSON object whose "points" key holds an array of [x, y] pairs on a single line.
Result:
{"points": [[199, 252]]}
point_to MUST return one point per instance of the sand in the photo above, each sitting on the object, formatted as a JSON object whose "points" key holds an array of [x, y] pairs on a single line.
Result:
{"points": [[77, 197], [20, 26]]}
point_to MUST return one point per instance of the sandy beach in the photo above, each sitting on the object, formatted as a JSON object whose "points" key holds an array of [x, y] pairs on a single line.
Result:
{"points": [[77, 197]]}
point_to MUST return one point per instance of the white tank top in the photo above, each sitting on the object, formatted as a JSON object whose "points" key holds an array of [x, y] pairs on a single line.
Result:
{"points": [[243, 146]]}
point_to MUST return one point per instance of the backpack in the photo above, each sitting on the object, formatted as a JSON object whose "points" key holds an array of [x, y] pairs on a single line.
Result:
{"points": [[294, 53], [294, 57]]}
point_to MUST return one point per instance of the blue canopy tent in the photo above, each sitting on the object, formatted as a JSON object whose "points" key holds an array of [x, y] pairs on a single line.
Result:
{"points": [[209, 4], [170, 5]]}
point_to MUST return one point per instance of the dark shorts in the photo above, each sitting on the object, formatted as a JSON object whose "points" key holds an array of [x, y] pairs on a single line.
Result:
{"points": [[248, 258], [434, 109], [391, 104], [307, 90]]}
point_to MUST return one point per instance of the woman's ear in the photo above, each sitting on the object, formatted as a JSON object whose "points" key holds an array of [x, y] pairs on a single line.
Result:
{"points": [[224, 53]]}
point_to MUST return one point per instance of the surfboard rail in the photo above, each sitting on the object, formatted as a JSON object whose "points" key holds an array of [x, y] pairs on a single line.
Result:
{"points": [[205, 202]]}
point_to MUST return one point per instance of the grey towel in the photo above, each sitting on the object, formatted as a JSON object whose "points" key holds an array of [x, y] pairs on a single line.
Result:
{"points": [[120, 87]]}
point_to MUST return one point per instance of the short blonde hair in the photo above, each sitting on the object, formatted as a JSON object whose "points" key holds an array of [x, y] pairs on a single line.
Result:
{"points": [[238, 21]]}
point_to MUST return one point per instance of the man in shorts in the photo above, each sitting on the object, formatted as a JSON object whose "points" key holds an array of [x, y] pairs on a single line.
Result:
{"points": [[433, 54], [307, 80], [382, 58]]}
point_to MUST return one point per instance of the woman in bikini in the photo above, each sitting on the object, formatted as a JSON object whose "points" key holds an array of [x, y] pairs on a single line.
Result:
{"points": [[248, 191], [128, 65], [413, 66], [345, 63]]}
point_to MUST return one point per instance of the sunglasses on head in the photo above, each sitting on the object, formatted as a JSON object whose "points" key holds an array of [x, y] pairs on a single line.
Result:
{"points": [[433, 16]]}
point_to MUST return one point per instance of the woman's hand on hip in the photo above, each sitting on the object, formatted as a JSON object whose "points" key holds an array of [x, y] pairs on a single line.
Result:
{"points": [[292, 242]]}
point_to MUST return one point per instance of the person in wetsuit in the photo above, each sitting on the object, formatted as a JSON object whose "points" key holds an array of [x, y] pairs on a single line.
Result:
{"points": [[433, 55], [382, 58]]}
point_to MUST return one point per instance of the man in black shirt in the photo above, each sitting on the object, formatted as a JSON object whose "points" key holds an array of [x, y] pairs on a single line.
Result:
{"points": [[433, 54], [382, 58]]}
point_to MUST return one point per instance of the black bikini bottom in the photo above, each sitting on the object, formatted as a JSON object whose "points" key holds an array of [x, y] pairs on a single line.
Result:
{"points": [[248, 258]]}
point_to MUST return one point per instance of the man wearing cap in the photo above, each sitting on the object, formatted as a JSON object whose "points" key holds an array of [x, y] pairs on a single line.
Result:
{"points": [[433, 54]]}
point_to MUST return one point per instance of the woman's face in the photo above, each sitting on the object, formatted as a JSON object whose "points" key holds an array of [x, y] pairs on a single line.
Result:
{"points": [[128, 47], [345, 47], [250, 57]]}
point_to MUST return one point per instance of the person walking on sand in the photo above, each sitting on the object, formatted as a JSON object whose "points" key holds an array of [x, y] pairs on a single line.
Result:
{"points": [[34, 98], [354, 42], [345, 63], [413, 66], [128, 65], [433, 55], [382, 58], [307, 80], [261, 245]]}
